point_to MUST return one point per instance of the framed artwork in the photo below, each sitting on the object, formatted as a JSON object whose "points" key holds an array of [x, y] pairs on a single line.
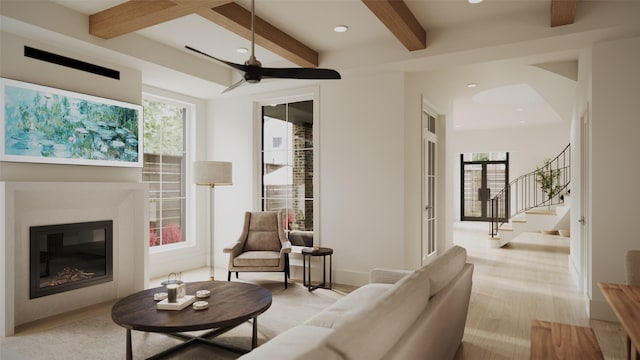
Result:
{"points": [[41, 124]]}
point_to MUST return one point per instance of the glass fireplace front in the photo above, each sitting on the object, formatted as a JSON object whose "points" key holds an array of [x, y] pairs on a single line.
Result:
{"points": [[64, 257]]}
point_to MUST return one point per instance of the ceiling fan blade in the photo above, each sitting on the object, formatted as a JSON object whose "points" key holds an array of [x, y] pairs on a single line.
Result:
{"points": [[233, 65], [242, 81], [298, 73]]}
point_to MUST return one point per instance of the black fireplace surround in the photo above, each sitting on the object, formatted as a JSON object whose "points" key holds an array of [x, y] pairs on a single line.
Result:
{"points": [[64, 257]]}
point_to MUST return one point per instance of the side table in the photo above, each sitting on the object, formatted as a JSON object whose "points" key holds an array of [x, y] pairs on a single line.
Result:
{"points": [[307, 253]]}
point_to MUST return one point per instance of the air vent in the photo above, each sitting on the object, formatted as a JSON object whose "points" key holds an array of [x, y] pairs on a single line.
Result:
{"points": [[71, 63]]}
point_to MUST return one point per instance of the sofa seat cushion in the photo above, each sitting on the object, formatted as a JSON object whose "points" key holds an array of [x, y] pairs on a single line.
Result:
{"points": [[257, 259], [300, 342], [380, 324], [348, 306]]}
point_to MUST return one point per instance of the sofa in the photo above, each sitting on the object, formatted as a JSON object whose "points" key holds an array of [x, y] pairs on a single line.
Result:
{"points": [[400, 314]]}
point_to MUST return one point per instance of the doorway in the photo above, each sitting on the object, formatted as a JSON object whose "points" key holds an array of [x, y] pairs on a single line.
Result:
{"points": [[484, 175]]}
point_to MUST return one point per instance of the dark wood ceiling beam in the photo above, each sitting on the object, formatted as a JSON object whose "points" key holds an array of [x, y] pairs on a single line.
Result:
{"points": [[237, 19], [138, 14], [563, 12], [397, 17]]}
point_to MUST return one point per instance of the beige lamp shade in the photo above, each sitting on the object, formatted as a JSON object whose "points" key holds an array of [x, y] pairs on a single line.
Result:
{"points": [[212, 173]]}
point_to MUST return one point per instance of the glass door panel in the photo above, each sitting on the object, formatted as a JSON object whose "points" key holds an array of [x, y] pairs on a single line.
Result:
{"points": [[481, 181]]}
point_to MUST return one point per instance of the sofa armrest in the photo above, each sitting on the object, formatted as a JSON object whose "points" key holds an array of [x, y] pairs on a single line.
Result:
{"points": [[387, 276]]}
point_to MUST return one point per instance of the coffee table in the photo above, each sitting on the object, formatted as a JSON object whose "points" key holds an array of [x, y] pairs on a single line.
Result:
{"points": [[230, 305]]}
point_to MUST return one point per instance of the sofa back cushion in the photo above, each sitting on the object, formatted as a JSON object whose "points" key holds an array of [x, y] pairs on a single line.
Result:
{"points": [[263, 234], [378, 325], [445, 267]]}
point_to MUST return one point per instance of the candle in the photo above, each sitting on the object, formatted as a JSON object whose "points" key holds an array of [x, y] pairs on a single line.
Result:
{"points": [[172, 290]]}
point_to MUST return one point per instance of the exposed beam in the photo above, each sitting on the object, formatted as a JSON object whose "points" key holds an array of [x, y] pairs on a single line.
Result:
{"points": [[138, 14], [237, 19], [397, 17], [563, 12]]}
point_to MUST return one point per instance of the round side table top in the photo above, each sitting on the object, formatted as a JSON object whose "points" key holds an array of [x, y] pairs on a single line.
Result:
{"points": [[321, 251]]}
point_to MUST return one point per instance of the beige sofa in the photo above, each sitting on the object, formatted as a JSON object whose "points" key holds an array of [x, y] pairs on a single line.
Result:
{"points": [[399, 315]]}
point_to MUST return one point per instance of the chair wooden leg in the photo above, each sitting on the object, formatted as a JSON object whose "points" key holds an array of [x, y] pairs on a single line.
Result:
{"points": [[285, 279], [236, 274], [287, 266], [229, 276]]}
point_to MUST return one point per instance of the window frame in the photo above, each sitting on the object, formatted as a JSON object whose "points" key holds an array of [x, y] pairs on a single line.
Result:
{"points": [[289, 96], [183, 255]]}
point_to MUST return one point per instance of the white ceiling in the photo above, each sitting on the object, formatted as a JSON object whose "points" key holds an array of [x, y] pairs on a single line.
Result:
{"points": [[465, 43]]}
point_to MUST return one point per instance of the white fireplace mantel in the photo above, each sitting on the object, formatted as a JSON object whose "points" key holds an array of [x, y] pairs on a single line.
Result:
{"points": [[25, 204]]}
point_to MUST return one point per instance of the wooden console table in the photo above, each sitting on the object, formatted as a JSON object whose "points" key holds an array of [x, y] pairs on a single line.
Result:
{"points": [[625, 302]]}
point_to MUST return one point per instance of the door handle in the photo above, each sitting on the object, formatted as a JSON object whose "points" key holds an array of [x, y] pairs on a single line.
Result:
{"points": [[581, 220]]}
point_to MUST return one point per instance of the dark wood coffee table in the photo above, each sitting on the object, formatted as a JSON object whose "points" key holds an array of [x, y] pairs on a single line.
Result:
{"points": [[230, 305]]}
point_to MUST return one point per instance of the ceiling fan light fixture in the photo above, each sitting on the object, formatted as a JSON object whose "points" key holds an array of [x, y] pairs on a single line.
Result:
{"points": [[340, 28], [242, 50]]}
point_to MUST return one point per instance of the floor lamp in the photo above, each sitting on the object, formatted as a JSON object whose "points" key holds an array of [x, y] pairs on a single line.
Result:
{"points": [[212, 174]]}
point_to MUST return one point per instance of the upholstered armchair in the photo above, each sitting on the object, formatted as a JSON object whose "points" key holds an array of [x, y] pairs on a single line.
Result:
{"points": [[262, 246]]}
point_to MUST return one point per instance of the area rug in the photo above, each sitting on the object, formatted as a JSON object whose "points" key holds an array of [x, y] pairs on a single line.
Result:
{"points": [[98, 337]]}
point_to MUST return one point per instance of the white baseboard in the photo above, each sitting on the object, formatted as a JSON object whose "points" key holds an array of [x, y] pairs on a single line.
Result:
{"points": [[600, 310]]}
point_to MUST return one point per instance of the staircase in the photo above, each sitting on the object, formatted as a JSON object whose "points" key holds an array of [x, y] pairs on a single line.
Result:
{"points": [[523, 205]]}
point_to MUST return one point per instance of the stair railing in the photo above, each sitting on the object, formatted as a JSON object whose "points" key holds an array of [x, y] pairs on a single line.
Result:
{"points": [[524, 193]]}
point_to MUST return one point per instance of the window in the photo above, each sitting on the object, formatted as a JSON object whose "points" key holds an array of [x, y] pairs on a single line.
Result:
{"points": [[164, 170], [287, 162]]}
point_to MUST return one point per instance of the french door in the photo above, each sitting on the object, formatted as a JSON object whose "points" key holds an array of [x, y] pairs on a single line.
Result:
{"points": [[429, 171], [481, 181]]}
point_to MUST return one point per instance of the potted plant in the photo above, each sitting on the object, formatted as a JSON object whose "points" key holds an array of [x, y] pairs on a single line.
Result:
{"points": [[547, 178]]}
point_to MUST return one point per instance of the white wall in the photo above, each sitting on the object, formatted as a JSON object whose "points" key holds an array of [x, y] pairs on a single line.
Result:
{"points": [[362, 174], [231, 138], [15, 66], [614, 172], [577, 256], [361, 171]]}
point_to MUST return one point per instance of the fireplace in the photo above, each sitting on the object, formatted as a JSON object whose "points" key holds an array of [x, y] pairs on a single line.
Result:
{"points": [[64, 257]]}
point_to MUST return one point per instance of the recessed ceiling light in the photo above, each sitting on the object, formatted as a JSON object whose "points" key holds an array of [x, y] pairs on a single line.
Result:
{"points": [[242, 50], [522, 121], [340, 28], [472, 85], [475, 1], [519, 109]]}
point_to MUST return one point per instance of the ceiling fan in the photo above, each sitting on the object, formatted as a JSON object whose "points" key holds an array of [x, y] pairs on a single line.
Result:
{"points": [[254, 72]]}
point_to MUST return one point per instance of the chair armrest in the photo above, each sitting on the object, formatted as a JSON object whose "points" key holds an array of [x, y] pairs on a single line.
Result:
{"points": [[286, 248], [234, 249], [387, 276]]}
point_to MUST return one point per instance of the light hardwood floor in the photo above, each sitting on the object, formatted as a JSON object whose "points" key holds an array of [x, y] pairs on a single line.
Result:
{"points": [[526, 279]]}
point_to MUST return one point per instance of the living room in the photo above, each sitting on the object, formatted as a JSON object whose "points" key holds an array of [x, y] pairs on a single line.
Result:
{"points": [[368, 122]]}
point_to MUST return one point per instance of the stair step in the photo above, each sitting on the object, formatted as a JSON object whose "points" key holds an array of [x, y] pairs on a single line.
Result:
{"points": [[519, 220], [541, 212], [506, 227]]}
